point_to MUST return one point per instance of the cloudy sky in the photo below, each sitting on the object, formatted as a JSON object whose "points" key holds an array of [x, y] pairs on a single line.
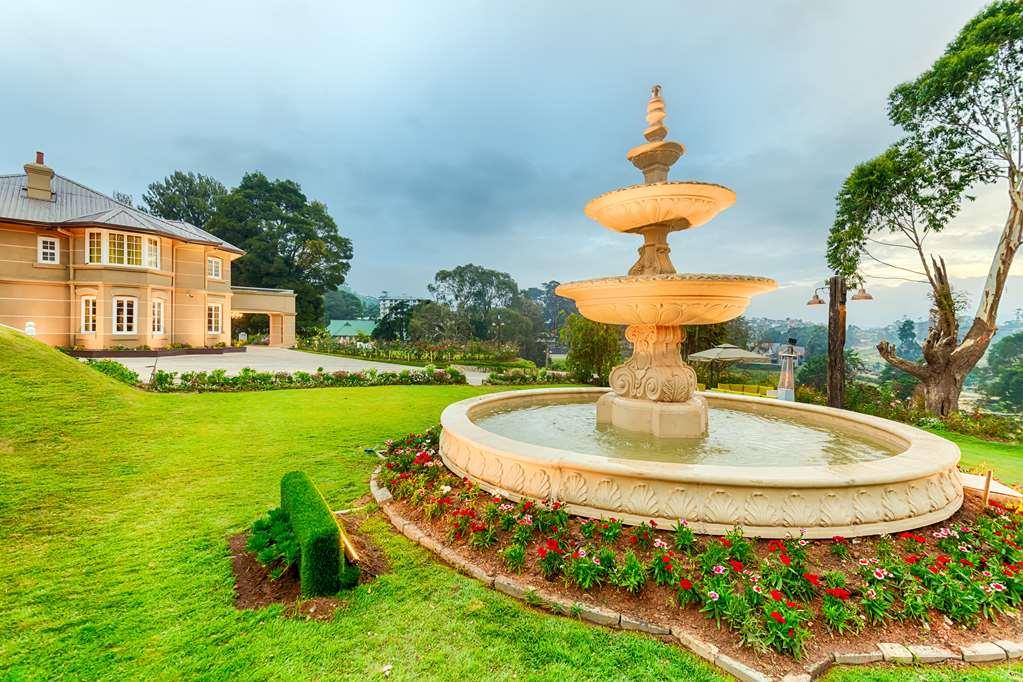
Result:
{"points": [[445, 133]]}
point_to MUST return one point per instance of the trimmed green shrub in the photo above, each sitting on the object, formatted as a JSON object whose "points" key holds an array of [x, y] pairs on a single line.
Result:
{"points": [[321, 561], [114, 369]]}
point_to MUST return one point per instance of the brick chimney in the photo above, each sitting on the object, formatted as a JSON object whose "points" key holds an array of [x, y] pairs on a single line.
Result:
{"points": [[40, 179]]}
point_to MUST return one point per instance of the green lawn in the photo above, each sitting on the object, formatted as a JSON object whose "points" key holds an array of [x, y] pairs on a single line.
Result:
{"points": [[1005, 459], [115, 506], [114, 509]]}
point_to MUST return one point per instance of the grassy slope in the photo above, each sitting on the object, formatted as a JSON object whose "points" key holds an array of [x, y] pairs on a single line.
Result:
{"points": [[115, 505]]}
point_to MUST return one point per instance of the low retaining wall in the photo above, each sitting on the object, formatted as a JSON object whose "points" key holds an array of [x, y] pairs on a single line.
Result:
{"points": [[153, 353]]}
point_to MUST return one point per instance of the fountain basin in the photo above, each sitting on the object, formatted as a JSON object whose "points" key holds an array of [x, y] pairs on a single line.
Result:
{"points": [[913, 481], [667, 299], [677, 205]]}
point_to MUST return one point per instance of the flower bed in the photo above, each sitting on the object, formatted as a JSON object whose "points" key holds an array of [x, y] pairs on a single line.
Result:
{"points": [[520, 377], [250, 380], [764, 601]]}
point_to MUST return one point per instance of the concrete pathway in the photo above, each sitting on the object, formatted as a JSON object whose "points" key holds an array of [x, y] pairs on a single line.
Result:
{"points": [[265, 359]]}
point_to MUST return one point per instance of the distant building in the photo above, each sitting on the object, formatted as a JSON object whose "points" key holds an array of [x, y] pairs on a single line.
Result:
{"points": [[388, 301], [772, 350], [347, 331]]}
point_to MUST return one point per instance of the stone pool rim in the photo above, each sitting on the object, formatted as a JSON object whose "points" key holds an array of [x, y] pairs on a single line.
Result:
{"points": [[917, 486]]}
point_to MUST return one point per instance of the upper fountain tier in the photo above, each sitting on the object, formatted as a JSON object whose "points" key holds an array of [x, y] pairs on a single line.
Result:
{"points": [[658, 204]]}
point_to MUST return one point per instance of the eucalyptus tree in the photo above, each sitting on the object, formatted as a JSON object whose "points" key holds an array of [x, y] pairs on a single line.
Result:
{"points": [[964, 119]]}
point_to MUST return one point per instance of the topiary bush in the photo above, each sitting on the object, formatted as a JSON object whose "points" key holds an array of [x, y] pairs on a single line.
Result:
{"points": [[321, 562]]}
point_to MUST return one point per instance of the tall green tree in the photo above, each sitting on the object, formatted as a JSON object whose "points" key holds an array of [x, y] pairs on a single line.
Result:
{"points": [[191, 197], [1001, 381], [555, 308], [437, 322], [290, 242], [396, 325], [964, 117], [473, 291], [814, 372], [909, 347], [342, 304], [593, 348]]}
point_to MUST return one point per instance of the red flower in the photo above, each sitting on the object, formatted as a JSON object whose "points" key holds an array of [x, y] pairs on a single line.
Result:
{"points": [[785, 559], [791, 632], [943, 559], [552, 545], [527, 505], [777, 617], [776, 595], [633, 539], [838, 592], [912, 559], [774, 546], [905, 535], [726, 542], [542, 552], [838, 539], [736, 565], [653, 524], [685, 584], [790, 604], [666, 558], [934, 568], [966, 562], [422, 458], [813, 579]]}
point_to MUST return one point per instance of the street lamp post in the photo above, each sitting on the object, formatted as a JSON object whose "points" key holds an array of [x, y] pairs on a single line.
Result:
{"points": [[836, 334]]}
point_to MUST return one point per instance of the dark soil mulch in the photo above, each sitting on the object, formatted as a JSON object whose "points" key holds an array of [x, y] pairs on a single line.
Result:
{"points": [[255, 589], [657, 604]]}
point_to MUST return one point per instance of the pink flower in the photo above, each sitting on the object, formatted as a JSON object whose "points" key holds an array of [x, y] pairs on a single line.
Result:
{"points": [[998, 587], [880, 573], [713, 596], [720, 570], [660, 544]]}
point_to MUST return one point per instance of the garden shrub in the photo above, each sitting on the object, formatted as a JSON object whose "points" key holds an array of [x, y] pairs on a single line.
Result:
{"points": [[520, 376], [320, 558], [114, 369], [274, 543]]}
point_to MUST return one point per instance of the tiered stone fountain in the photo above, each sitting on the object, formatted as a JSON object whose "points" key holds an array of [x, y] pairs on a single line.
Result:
{"points": [[649, 448], [654, 390]]}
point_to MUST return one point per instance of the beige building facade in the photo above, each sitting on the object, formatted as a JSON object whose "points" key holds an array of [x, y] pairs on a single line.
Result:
{"points": [[79, 269]]}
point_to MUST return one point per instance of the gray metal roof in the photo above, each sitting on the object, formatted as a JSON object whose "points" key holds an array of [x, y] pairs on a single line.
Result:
{"points": [[75, 204]]}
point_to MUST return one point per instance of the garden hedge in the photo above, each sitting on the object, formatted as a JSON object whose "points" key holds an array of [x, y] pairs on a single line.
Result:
{"points": [[321, 561]]}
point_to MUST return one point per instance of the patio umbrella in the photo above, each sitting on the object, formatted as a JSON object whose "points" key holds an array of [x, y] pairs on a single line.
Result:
{"points": [[725, 354]]}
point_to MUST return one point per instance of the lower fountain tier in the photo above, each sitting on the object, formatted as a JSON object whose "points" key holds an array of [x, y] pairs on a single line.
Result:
{"points": [[661, 420], [670, 299]]}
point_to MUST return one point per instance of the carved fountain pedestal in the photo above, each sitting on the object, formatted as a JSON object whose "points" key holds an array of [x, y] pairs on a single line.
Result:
{"points": [[654, 390]]}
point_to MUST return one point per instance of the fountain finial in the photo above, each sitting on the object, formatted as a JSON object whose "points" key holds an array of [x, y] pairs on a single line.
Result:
{"points": [[656, 155], [655, 115]]}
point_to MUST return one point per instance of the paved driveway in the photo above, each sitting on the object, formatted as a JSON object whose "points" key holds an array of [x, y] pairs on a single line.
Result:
{"points": [[266, 359]]}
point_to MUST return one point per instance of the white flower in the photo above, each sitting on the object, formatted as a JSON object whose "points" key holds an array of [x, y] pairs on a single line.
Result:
{"points": [[880, 573], [445, 489], [660, 544]]}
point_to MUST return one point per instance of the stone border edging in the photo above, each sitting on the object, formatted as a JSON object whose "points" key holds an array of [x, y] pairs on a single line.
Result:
{"points": [[888, 652]]}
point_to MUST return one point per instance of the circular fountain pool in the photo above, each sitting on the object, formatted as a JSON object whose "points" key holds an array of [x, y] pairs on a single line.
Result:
{"points": [[770, 466]]}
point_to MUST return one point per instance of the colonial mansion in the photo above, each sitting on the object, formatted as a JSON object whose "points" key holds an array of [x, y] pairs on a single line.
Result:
{"points": [[78, 268]]}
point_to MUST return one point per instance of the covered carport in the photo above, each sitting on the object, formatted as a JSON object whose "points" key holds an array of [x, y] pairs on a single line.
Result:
{"points": [[277, 304]]}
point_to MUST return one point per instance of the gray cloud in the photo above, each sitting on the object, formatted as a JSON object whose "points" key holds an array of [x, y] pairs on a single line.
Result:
{"points": [[441, 133]]}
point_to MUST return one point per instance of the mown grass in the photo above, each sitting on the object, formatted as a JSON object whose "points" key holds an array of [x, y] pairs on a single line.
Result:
{"points": [[114, 509], [1005, 459], [115, 506]]}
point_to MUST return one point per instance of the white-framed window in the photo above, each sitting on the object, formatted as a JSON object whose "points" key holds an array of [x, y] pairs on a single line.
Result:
{"points": [[153, 253], [124, 249], [88, 314], [125, 317], [49, 250], [157, 315], [93, 247], [213, 318], [214, 267]]}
